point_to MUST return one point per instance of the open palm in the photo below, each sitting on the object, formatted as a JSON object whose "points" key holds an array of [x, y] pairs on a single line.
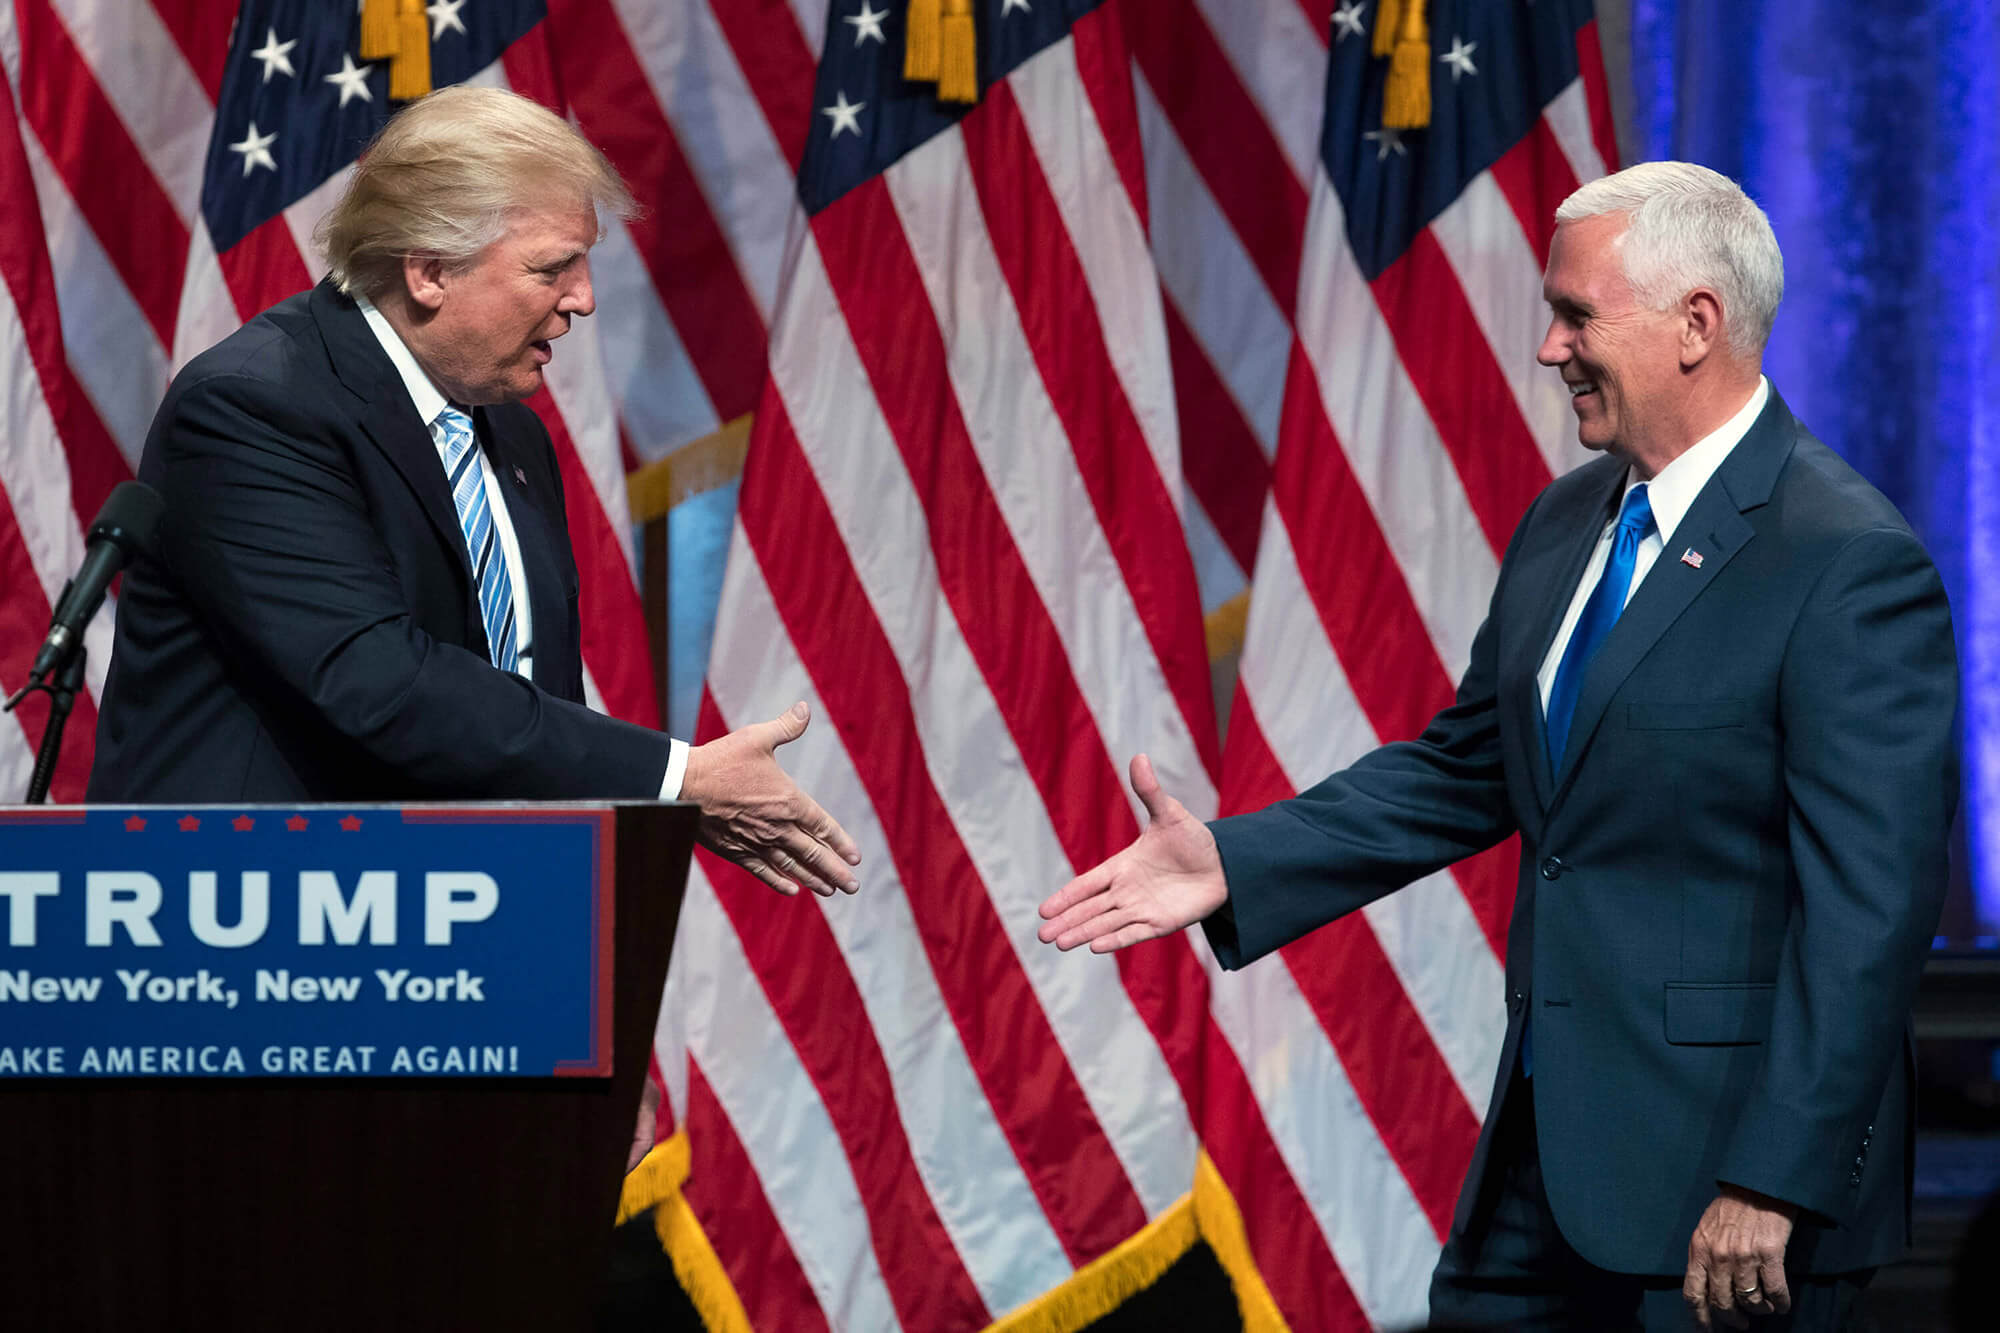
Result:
{"points": [[1168, 879]]}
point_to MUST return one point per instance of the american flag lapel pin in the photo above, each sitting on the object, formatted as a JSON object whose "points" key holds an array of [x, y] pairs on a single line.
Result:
{"points": [[521, 479], [1691, 558]]}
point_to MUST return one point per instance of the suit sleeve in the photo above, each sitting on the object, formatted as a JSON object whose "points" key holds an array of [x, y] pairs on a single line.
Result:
{"points": [[1399, 813], [269, 535], [1868, 701]]}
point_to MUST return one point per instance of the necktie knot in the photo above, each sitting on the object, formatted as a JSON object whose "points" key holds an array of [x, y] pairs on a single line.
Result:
{"points": [[1637, 514], [456, 428]]}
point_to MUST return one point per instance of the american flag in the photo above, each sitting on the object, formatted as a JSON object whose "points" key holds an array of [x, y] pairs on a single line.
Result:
{"points": [[1049, 378]]}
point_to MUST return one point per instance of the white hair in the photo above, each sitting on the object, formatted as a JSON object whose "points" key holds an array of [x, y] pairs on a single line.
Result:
{"points": [[1690, 227]]}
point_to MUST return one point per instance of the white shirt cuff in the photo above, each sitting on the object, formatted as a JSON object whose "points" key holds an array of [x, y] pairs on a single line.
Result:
{"points": [[677, 765]]}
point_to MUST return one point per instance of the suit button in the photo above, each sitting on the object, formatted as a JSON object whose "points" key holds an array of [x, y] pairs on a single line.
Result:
{"points": [[1553, 867]]}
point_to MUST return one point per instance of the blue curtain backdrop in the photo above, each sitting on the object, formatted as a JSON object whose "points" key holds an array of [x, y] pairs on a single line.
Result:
{"points": [[1871, 135]]}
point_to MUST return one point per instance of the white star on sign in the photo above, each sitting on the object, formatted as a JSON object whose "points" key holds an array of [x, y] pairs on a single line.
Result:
{"points": [[275, 54], [1386, 142], [868, 23], [1347, 21], [256, 150], [352, 81], [444, 14], [846, 115], [1013, 5], [1459, 57]]}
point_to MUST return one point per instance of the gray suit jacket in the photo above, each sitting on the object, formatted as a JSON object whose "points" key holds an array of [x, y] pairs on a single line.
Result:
{"points": [[1727, 888]]}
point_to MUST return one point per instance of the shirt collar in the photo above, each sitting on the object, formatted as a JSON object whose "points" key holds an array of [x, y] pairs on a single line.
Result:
{"points": [[429, 400], [1673, 489]]}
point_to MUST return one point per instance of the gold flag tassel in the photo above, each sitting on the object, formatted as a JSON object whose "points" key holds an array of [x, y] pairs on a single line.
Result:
{"points": [[379, 33], [958, 61], [410, 71], [922, 54], [1388, 17], [1406, 97]]}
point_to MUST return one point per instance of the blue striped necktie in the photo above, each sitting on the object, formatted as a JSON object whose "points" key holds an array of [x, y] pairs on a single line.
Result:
{"points": [[1600, 613], [482, 539]]}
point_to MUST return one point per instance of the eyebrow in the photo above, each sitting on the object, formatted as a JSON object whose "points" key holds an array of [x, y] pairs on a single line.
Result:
{"points": [[561, 261]]}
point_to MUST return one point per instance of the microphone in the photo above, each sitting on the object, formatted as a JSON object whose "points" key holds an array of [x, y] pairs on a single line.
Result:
{"points": [[125, 527]]}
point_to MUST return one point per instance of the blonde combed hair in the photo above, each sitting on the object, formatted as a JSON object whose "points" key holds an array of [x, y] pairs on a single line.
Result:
{"points": [[445, 175]]}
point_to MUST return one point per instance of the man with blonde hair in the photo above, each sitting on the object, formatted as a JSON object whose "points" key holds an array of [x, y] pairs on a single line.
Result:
{"points": [[364, 588], [1715, 696]]}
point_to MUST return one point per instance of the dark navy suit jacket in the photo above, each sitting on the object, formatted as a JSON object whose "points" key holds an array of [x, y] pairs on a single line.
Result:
{"points": [[310, 629], [1727, 888]]}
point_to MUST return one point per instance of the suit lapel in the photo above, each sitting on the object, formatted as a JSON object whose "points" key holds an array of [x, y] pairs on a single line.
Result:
{"points": [[1715, 528], [389, 419], [1556, 564], [515, 469]]}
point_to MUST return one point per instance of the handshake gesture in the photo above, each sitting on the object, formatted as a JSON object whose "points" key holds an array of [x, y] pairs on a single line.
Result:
{"points": [[1168, 879], [755, 815]]}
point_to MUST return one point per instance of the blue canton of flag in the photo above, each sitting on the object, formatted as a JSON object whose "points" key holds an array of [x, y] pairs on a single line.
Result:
{"points": [[298, 104], [1493, 68], [870, 117]]}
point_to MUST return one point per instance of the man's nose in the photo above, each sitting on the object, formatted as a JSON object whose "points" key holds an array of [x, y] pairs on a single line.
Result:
{"points": [[580, 299], [1554, 350]]}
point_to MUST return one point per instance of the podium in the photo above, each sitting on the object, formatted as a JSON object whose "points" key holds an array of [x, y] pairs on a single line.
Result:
{"points": [[443, 1195]]}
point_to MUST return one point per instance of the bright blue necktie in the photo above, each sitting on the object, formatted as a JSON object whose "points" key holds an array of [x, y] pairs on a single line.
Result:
{"points": [[1600, 613], [482, 540]]}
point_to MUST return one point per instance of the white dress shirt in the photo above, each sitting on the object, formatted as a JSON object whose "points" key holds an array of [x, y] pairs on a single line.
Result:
{"points": [[430, 402], [1670, 493]]}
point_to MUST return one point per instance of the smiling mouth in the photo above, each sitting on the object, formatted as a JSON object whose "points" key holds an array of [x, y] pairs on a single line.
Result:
{"points": [[1580, 388]]}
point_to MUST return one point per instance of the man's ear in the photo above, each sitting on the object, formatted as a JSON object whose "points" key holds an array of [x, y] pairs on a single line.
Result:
{"points": [[1702, 332], [424, 280]]}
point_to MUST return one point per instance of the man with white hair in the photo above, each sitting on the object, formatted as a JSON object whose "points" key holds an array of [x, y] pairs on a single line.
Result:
{"points": [[1715, 695], [364, 588]]}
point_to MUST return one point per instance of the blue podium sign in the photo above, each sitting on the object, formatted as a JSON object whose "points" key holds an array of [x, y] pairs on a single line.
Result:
{"points": [[264, 941]]}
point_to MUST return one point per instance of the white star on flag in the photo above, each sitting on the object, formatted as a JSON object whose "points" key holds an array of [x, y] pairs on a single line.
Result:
{"points": [[868, 23], [351, 80], [1011, 5], [845, 115], [1347, 21], [1386, 142], [256, 149], [1459, 57], [444, 14], [274, 54]]}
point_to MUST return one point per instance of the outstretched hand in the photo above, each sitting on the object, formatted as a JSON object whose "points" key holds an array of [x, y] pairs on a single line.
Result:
{"points": [[755, 815], [1169, 878]]}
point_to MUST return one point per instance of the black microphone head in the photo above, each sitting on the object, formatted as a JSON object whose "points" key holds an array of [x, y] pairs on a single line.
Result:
{"points": [[130, 517]]}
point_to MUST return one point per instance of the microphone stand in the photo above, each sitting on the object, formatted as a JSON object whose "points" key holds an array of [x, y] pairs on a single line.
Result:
{"points": [[62, 697]]}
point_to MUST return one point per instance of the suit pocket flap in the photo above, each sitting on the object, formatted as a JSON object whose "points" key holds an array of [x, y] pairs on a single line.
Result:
{"points": [[1686, 714], [1730, 1013]]}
